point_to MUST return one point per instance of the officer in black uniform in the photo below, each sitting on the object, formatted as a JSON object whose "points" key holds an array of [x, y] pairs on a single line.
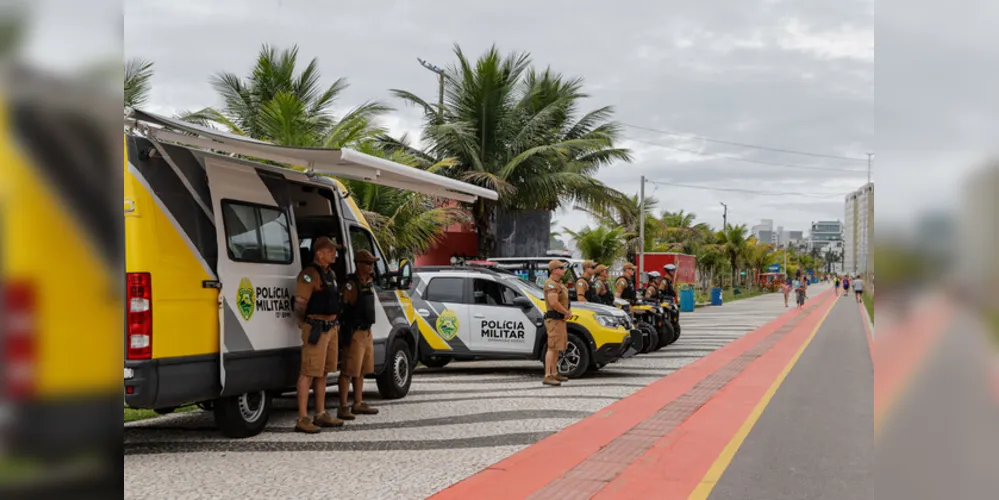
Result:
{"points": [[317, 305]]}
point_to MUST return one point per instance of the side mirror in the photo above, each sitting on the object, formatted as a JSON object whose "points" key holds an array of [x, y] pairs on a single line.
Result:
{"points": [[405, 274], [523, 302]]}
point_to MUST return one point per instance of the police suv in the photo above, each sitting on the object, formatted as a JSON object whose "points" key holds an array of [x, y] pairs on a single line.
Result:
{"points": [[476, 313]]}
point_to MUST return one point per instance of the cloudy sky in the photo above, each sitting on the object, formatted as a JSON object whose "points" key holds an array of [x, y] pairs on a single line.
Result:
{"points": [[777, 73]]}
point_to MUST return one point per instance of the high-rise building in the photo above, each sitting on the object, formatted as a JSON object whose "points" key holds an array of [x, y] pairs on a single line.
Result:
{"points": [[858, 234], [825, 232], [979, 236], [764, 231]]}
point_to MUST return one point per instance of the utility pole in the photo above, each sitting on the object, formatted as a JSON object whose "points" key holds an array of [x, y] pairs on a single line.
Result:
{"points": [[724, 216], [440, 90], [641, 232]]}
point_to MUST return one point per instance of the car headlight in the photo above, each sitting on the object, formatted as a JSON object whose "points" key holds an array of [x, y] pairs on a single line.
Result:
{"points": [[606, 321]]}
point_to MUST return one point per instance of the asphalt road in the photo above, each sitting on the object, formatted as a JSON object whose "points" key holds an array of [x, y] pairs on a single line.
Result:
{"points": [[454, 422], [815, 439]]}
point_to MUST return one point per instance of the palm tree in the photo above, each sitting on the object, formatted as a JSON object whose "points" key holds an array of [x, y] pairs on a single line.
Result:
{"points": [[759, 255], [277, 104], [625, 212], [734, 242], [406, 224], [600, 244], [138, 76], [516, 131]]}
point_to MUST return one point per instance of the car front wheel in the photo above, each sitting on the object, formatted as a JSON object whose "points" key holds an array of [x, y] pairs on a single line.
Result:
{"points": [[575, 359]]}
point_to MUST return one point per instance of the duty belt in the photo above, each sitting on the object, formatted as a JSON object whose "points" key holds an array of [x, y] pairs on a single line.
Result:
{"points": [[318, 327]]}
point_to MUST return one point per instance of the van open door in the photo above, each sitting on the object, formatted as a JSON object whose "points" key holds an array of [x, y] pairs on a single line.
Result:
{"points": [[254, 229]]}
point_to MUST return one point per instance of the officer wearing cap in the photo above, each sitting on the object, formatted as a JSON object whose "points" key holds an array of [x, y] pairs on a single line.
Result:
{"points": [[584, 285], [317, 304], [624, 287], [667, 287], [359, 315], [557, 300], [652, 289], [602, 284]]}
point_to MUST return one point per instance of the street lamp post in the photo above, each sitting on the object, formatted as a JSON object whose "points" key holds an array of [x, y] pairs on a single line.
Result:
{"points": [[440, 91], [641, 232]]}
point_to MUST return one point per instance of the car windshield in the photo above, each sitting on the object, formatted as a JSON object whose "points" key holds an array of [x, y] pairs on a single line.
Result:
{"points": [[526, 286]]}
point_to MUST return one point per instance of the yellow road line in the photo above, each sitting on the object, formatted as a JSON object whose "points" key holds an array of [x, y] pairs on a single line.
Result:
{"points": [[714, 474]]}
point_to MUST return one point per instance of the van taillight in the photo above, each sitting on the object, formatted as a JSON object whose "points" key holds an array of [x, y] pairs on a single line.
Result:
{"points": [[139, 338], [19, 332]]}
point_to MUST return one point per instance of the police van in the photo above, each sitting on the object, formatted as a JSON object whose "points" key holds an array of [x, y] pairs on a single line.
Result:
{"points": [[214, 243], [478, 313]]}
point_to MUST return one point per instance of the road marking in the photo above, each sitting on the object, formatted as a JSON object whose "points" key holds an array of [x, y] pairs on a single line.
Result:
{"points": [[714, 474]]}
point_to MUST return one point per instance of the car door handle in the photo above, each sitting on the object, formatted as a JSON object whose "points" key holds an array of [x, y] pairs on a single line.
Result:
{"points": [[478, 316], [423, 312]]}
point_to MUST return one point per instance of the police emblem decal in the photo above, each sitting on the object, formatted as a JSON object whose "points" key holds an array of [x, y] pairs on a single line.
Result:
{"points": [[245, 299]]}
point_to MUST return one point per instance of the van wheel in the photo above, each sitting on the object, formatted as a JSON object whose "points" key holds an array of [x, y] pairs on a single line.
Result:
{"points": [[651, 337], [244, 415], [435, 361], [575, 359], [396, 377]]}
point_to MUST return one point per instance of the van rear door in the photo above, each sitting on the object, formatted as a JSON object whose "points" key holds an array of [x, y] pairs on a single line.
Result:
{"points": [[257, 267]]}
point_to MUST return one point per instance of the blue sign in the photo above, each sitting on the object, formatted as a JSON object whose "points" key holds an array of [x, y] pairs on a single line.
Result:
{"points": [[774, 268]]}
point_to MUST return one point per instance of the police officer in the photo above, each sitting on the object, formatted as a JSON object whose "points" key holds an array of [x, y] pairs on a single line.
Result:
{"points": [[557, 299], [584, 285], [667, 287], [652, 289], [624, 286], [317, 304], [602, 284], [359, 315]]}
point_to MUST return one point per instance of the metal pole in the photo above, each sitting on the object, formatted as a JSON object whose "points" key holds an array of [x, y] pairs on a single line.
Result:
{"points": [[641, 232], [724, 216], [440, 97]]}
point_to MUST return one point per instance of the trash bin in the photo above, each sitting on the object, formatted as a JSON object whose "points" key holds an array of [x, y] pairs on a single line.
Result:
{"points": [[716, 296], [687, 300]]}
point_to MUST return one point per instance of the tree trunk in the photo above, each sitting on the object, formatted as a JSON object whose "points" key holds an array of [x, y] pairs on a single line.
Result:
{"points": [[486, 236]]}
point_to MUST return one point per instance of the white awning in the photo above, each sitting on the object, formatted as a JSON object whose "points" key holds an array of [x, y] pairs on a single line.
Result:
{"points": [[345, 163]]}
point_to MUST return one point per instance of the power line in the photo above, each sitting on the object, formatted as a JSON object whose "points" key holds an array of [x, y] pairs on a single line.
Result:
{"points": [[749, 160], [745, 145], [748, 191]]}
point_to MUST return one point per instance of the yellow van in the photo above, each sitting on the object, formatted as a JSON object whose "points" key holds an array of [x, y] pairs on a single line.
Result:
{"points": [[213, 244]]}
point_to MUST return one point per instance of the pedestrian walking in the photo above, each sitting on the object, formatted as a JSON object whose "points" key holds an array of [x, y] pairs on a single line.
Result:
{"points": [[846, 285], [836, 283], [801, 292], [359, 315], [557, 299], [317, 304], [785, 288], [858, 288]]}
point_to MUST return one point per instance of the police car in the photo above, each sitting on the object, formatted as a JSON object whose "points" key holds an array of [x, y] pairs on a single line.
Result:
{"points": [[476, 313]]}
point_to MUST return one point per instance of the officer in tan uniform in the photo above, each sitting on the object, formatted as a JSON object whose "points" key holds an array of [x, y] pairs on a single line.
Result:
{"points": [[317, 305], [557, 300], [602, 284], [624, 287], [652, 289], [359, 315], [584, 285]]}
